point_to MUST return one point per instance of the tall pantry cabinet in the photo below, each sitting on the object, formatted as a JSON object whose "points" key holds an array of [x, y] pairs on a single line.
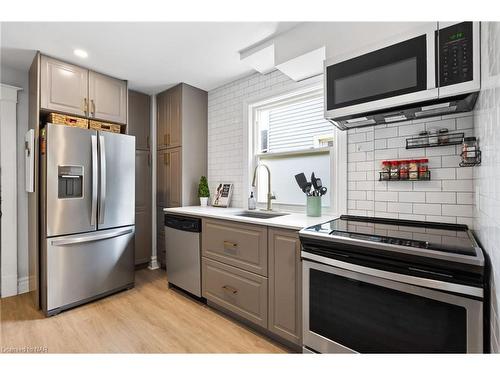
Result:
{"points": [[139, 116], [181, 151]]}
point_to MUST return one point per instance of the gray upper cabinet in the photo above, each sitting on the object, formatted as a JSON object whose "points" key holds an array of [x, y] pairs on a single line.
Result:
{"points": [[108, 98], [64, 87], [139, 118], [77, 91]]}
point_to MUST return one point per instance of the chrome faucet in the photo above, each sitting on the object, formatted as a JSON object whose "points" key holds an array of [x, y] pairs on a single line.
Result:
{"points": [[270, 196]]}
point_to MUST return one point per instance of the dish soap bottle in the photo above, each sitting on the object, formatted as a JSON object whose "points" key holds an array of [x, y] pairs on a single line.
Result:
{"points": [[252, 203]]}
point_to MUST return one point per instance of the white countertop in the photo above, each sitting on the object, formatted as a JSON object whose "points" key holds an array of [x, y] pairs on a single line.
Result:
{"points": [[294, 221]]}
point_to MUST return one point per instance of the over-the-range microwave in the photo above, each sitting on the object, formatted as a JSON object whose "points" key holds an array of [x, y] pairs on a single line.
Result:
{"points": [[434, 70]]}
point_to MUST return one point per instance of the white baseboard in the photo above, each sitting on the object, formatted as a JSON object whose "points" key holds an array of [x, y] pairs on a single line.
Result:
{"points": [[23, 285], [153, 264], [9, 286]]}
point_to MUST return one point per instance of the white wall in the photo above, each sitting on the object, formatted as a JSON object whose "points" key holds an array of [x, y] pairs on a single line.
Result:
{"points": [[19, 78], [227, 127], [487, 175], [446, 198]]}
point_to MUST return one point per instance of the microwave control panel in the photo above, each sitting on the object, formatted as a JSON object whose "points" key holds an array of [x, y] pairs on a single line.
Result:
{"points": [[455, 54]]}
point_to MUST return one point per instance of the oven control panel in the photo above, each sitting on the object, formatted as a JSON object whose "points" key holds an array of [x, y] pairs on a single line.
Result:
{"points": [[455, 54]]}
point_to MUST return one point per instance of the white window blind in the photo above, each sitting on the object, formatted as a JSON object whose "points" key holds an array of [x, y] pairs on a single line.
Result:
{"points": [[295, 125], [292, 137]]}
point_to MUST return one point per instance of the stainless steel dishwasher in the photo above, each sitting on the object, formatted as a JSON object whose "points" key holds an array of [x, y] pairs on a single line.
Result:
{"points": [[183, 257]]}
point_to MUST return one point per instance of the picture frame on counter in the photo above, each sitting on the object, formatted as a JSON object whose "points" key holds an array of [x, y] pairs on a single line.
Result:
{"points": [[223, 194]]}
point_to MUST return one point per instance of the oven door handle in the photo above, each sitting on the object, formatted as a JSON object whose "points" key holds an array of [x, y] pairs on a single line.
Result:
{"points": [[407, 279]]}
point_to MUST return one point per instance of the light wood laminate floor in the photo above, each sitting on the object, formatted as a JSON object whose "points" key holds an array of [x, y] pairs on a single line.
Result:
{"points": [[147, 319]]}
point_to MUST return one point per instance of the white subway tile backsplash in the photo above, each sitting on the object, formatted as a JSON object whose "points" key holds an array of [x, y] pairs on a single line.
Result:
{"points": [[457, 185], [386, 196], [427, 209], [443, 174], [440, 197], [381, 132], [465, 198], [457, 210], [402, 208], [413, 197]]}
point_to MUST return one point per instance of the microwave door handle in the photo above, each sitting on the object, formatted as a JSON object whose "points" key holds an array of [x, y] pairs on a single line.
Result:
{"points": [[93, 214], [102, 193]]}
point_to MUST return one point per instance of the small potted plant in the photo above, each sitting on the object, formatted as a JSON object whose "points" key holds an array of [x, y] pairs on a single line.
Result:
{"points": [[203, 191]]}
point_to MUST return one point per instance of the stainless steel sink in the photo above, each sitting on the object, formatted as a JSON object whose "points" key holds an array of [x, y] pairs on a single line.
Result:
{"points": [[261, 214]]}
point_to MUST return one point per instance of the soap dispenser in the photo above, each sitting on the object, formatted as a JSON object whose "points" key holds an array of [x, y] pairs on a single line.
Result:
{"points": [[252, 203]]}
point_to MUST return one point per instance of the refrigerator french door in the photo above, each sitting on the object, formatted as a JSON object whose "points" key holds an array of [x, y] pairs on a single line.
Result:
{"points": [[88, 195]]}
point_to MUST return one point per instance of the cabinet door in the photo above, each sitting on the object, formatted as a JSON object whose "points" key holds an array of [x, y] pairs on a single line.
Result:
{"points": [[174, 117], [108, 98], [285, 285], [160, 235], [161, 119], [139, 116], [161, 178], [64, 87], [174, 175], [142, 207]]}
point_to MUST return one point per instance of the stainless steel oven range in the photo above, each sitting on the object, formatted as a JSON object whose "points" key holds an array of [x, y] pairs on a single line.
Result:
{"points": [[375, 285]]}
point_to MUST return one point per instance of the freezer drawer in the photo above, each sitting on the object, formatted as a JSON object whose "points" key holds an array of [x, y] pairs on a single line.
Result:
{"points": [[82, 267]]}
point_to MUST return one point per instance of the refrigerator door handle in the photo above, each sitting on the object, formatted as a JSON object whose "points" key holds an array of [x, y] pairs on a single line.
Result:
{"points": [[91, 237], [102, 193], [93, 213]]}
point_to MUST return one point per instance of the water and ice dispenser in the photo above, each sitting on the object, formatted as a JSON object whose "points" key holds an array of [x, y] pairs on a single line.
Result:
{"points": [[70, 181]]}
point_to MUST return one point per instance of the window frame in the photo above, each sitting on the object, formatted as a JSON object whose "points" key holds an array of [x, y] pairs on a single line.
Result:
{"points": [[337, 186]]}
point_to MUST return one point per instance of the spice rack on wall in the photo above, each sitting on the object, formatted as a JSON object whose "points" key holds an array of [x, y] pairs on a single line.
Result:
{"points": [[437, 140], [405, 170]]}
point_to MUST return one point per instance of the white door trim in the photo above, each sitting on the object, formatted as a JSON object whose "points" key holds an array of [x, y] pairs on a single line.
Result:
{"points": [[8, 178]]}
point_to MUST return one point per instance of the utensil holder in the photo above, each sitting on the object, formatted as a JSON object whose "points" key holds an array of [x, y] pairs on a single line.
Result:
{"points": [[313, 206]]}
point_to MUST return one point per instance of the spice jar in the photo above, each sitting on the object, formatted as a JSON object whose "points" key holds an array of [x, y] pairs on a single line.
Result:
{"points": [[423, 139], [443, 136], [413, 169], [469, 150], [394, 170], [386, 170], [433, 137], [423, 168], [403, 170]]}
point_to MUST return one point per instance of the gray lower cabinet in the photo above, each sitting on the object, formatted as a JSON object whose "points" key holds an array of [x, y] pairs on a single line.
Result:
{"points": [[160, 236], [241, 292], [239, 245], [244, 263], [285, 285]]}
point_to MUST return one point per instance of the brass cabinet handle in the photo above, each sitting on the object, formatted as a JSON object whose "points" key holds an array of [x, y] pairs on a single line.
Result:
{"points": [[168, 159], [168, 139], [230, 289], [147, 141], [92, 104], [230, 245], [85, 107], [165, 139]]}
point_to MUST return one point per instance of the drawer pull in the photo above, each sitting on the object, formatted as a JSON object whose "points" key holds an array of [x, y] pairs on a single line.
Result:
{"points": [[230, 289], [230, 245]]}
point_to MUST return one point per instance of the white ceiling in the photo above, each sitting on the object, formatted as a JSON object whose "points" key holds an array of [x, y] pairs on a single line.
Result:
{"points": [[152, 56]]}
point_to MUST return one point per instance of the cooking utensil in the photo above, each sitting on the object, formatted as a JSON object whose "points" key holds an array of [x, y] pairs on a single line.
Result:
{"points": [[301, 180], [307, 188], [313, 181], [322, 191]]}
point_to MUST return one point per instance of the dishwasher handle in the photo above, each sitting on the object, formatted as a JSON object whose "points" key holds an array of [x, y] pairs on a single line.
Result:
{"points": [[183, 223]]}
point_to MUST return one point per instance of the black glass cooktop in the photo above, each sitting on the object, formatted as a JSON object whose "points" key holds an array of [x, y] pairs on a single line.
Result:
{"points": [[448, 238]]}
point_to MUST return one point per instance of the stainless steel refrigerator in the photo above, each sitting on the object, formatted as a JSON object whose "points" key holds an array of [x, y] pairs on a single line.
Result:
{"points": [[87, 216]]}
